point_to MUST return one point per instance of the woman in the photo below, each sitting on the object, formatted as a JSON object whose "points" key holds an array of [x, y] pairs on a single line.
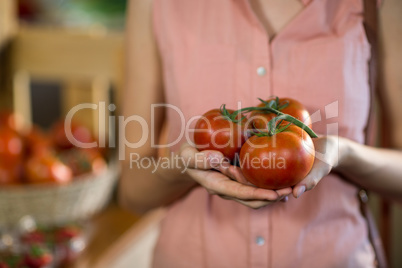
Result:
{"points": [[197, 55]]}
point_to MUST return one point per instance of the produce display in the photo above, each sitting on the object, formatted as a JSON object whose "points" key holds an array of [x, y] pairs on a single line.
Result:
{"points": [[36, 157], [272, 142]]}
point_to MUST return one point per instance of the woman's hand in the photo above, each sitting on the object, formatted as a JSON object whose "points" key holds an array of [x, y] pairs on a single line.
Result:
{"points": [[218, 177], [328, 152]]}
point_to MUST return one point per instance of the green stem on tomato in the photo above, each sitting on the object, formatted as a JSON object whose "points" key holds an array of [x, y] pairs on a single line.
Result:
{"points": [[274, 103], [294, 121], [267, 108]]}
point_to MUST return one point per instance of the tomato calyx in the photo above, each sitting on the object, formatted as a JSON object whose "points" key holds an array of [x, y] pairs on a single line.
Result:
{"points": [[231, 116], [274, 104], [274, 127], [271, 106]]}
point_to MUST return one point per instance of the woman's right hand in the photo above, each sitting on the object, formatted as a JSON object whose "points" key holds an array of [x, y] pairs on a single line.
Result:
{"points": [[209, 169]]}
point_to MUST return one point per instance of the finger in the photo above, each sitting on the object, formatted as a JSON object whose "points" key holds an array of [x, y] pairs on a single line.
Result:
{"points": [[284, 191], [319, 170], [285, 199], [222, 185], [255, 204], [234, 173], [237, 175], [207, 159]]}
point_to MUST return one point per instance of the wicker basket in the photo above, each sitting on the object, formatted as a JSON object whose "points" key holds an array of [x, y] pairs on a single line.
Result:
{"points": [[54, 204]]}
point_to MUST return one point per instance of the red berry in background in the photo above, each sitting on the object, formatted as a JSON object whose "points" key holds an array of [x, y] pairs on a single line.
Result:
{"points": [[11, 260], [69, 243], [47, 169], [37, 257], [33, 237], [65, 234], [80, 132]]}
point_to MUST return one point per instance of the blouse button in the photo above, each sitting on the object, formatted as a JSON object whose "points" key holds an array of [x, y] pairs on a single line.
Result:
{"points": [[259, 240], [261, 71]]}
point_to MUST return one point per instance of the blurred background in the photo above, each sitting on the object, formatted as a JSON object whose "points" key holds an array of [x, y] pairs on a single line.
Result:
{"points": [[56, 54]]}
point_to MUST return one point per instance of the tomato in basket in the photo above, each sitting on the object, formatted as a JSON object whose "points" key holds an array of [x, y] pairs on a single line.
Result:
{"points": [[10, 175], [47, 169], [11, 147], [10, 119], [83, 161], [37, 142], [80, 132]]}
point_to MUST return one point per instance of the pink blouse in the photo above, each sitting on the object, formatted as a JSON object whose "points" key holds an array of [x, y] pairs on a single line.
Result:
{"points": [[217, 51]]}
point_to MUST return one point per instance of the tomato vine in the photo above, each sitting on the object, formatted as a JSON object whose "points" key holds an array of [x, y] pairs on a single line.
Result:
{"points": [[271, 106]]}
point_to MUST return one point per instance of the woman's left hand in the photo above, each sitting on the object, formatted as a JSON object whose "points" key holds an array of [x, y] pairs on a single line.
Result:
{"points": [[328, 154]]}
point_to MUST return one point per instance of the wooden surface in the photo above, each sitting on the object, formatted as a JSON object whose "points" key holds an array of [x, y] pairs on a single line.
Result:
{"points": [[105, 229], [8, 28], [8, 20], [57, 53], [135, 247], [86, 62], [391, 43], [391, 37]]}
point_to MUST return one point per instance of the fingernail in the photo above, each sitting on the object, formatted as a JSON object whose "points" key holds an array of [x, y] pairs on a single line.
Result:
{"points": [[301, 190], [213, 160], [225, 163], [285, 199]]}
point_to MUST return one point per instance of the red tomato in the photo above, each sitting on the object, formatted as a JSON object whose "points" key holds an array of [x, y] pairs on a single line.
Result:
{"points": [[278, 161], [47, 169], [11, 147], [213, 131], [10, 175], [83, 161], [81, 133], [294, 108], [10, 119], [36, 142]]}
